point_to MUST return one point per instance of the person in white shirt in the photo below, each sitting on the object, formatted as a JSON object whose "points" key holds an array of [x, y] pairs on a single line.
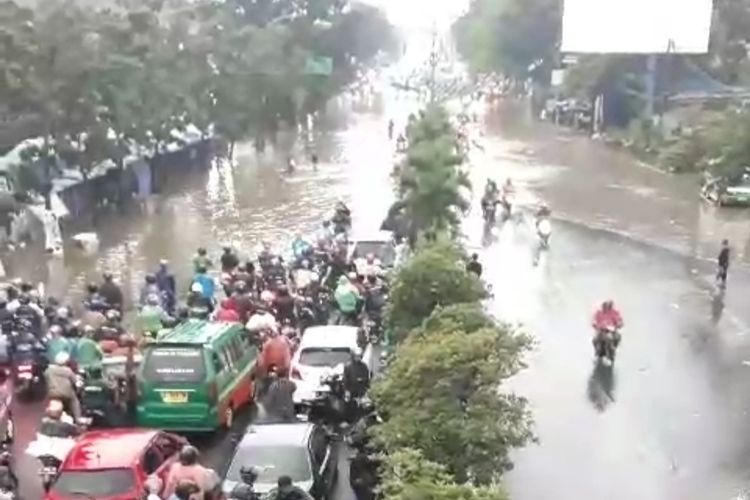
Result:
{"points": [[262, 322]]}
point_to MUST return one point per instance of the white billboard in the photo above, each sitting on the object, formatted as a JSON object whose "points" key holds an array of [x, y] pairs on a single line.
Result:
{"points": [[636, 26]]}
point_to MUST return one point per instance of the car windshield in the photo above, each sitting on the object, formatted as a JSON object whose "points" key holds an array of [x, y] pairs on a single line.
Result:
{"points": [[324, 356], [174, 364], [272, 462], [383, 250], [94, 483]]}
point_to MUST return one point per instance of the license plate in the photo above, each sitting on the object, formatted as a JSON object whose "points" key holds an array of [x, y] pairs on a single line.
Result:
{"points": [[174, 397], [24, 376]]}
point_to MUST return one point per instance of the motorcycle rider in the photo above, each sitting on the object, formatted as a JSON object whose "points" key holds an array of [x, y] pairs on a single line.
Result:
{"points": [[188, 469], [153, 486], [286, 490], [276, 353], [8, 479], [246, 489], [30, 312], [57, 343], [227, 312], [284, 305], [229, 260], [278, 398], [61, 384], [506, 196], [356, 376], [111, 292], [94, 300], [6, 317], [53, 424], [347, 300], [112, 328], [489, 199], [607, 318], [262, 321], [474, 266], [723, 264], [300, 247], [150, 287], [167, 285], [201, 260], [88, 354], [243, 300], [197, 303], [342, 218], [207, 283], [151, 317], [401, 143], [375, 299]]}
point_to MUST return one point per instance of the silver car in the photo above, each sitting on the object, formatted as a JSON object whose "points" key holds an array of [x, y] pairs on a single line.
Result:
{"points": [[300, 450]]}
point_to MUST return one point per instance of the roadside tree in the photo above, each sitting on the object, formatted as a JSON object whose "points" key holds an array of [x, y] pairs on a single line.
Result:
{"points": [[407, 475], [441, 396], [431, 186], [434, 276]]}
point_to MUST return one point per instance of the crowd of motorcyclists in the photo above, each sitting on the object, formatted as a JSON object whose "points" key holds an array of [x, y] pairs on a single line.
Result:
{"points": [[275, 298]]}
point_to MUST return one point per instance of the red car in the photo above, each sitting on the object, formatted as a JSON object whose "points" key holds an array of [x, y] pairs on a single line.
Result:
{"points": [[113, 464]]}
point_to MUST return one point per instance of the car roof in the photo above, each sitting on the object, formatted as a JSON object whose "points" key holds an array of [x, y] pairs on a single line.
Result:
{"points": [[197, 332], [109, 449], [287, 434], [330, 336]]}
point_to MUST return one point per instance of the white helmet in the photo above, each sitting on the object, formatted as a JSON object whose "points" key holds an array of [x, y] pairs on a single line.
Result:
{"points": [[196, 287], [266, 296], [62, 358]]}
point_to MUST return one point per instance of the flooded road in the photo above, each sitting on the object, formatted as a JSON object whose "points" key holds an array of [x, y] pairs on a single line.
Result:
{"points": [[669, 421], [588, 182]]}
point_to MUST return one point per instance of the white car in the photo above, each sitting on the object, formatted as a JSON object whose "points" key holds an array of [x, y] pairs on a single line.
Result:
{"points": [[380, 244], [324, 351]]}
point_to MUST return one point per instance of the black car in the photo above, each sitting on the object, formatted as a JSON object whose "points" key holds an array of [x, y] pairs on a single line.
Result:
{"points": [[300, 450]]}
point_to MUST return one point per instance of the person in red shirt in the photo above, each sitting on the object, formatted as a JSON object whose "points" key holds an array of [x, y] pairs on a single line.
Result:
{"points": [[227, 312], [276, 352], [607, 318]]}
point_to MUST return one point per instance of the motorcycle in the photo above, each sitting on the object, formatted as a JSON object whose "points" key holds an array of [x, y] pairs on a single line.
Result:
{"points": [[543, 231], [507, 211], [8, 479], [374, 328], [605, 344], [489, 212], [50, 451], [28, 368], [329, 407]]}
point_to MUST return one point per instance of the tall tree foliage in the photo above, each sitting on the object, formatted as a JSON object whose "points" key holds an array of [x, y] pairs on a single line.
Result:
{"points": [[106, 79], [515, 37], [440, 396], [431, 186], [407, 475]]}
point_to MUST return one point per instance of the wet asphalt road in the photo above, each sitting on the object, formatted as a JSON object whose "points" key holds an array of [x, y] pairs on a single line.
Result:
{"points": [[670, 420]]}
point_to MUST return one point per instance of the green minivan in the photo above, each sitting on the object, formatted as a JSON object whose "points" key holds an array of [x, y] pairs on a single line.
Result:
{"points": [[196, 377]]}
